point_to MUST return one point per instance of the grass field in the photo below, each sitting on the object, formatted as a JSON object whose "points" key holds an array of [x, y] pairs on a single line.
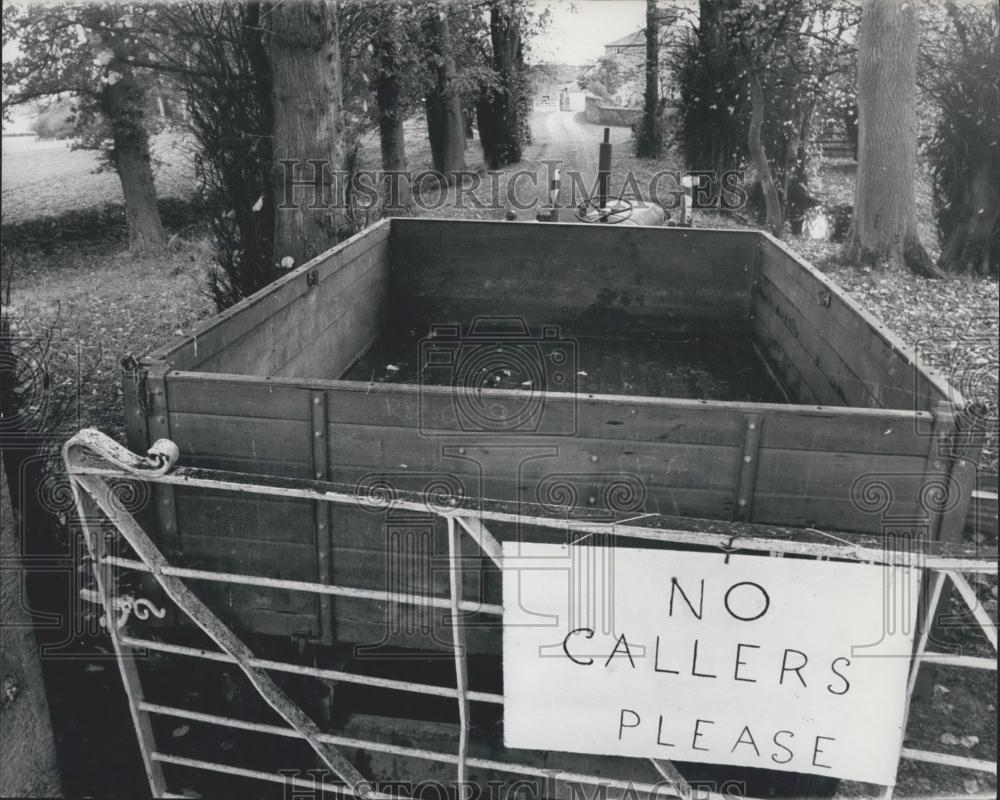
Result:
{"points": [[105, 302], [48, 178]]}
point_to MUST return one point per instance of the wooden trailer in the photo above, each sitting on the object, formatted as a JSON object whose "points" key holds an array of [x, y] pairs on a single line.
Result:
{"points": [[710, 374], [695, 380]]}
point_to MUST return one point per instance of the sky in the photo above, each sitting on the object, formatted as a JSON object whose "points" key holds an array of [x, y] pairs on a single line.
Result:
{"points": [[579, 29]]}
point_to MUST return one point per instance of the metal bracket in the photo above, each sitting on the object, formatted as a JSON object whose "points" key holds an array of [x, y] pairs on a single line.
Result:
{"points": [[823, 298], [132, 370], [312, 277]]}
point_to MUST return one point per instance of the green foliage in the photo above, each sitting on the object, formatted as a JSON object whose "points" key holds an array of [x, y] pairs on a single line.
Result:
{"points": [[104, 223], [84, 50], [56, 121], [603, 78], [961, 72], [214, 56], [713, 106], [803, 55]]}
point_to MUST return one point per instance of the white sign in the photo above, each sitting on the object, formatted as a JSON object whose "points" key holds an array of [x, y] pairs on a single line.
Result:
{"points": [[778, 663]]}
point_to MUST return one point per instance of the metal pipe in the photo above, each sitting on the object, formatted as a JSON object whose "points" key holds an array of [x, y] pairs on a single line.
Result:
{"points": [[604, 170]]}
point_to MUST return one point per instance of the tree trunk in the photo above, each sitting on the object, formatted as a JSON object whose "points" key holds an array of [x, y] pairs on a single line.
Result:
{"points": [[501, 108], [795, 190], [850, 117], [445, 126], [972, 245], [772, 203], [884, 226], [648, 143], [122, 104], [306, 96], [388, 98]]}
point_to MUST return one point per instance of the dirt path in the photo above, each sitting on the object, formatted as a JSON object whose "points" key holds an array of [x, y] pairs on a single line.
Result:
{"points": [[569, 138]]}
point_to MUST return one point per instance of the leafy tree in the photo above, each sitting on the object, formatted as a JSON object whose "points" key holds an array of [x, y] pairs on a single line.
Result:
{"points": [[961, 72], [213, 53], [443, 99], [752, 74], [884, 225], [502, 106], [603, 77], [713, 103], [87, 50]]}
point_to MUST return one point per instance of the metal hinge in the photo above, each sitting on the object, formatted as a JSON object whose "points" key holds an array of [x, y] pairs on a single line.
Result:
{"points": [[132, 370]]}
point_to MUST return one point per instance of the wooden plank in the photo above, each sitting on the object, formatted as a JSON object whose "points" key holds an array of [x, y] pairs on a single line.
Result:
{"points": [[795, 487], [869, 334], [594, 416], [235, 396], [215, 333], [288, 559], [776, 323], [802, 323], [242, 518], [254, 466], [353, 298], [836, 430], [826, 514], [659, 529], [822, 475], [228, 437], [409, 564], [344, 340], [640, 279], [882, 381], [782, 363], [404, 451]]}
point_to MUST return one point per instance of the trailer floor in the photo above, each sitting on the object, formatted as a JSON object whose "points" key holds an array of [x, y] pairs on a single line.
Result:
{"points": [[726, 368]]}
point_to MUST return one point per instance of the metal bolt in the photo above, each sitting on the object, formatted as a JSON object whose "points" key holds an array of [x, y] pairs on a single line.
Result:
{"points": [[318, 434], [166, 501], [752, 426], [160, 419], [322, 526], [743, 501], [594, 459], [747, 459], [315, 401], [592, 500], [937, 465], [461, 451], [319, 475]]}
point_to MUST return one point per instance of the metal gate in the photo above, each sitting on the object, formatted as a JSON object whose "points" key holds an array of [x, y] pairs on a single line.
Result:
{"points": [[95, 462]]}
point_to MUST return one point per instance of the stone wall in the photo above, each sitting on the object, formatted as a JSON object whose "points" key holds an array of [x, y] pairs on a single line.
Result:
{"points": [[600, 112]]}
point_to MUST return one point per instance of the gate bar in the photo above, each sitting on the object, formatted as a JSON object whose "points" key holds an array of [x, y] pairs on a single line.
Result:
{"points": [[203, 617], [313, 672]]}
